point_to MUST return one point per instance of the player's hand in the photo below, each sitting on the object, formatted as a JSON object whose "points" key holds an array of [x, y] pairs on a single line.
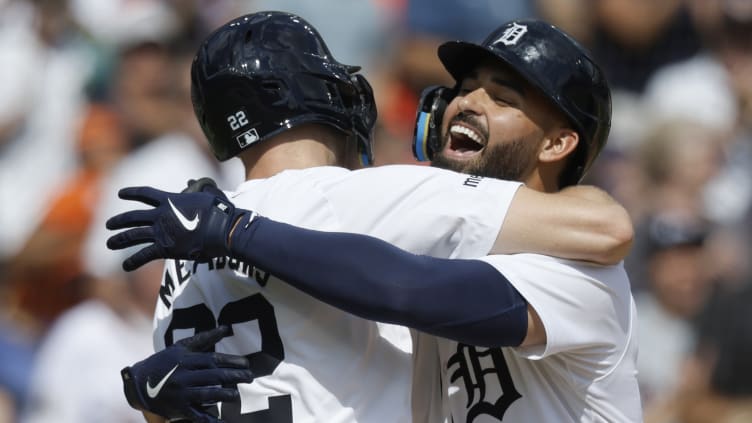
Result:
{"points": [[189, 225], [179, 381]]}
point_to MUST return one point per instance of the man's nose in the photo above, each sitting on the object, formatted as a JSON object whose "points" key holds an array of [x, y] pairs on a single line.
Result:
{"points": [[471, 102]]}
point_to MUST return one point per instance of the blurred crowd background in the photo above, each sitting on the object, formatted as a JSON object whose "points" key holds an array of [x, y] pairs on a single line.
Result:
{"points": [[95, 95]]}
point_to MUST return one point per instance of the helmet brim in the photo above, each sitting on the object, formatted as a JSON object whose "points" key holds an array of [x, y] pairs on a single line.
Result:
{"points": [[461, 57]]}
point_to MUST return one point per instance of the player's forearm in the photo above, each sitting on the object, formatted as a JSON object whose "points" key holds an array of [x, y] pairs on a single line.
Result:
{"points": [[581, 223], [465, 300]]}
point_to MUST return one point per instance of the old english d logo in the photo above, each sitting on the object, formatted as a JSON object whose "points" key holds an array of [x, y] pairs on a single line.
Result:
{"points": [[512, 34], [473, 371]]}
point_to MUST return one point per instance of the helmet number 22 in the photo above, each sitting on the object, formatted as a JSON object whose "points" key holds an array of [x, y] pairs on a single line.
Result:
{"points": [[254, 308], [237, 120]]}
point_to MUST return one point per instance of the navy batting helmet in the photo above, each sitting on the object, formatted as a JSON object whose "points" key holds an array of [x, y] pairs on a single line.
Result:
{"points": [[548, 59], [266, 72]]}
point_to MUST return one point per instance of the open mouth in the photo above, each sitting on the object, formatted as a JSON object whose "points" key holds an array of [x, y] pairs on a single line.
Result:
{"points": [[464, 142]]}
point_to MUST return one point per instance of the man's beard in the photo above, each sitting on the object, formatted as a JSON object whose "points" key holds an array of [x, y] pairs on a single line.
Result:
{"points": [[509, 161]]}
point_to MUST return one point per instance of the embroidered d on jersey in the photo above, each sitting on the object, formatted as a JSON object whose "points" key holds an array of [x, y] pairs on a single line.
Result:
{"points": [[586, 371]]}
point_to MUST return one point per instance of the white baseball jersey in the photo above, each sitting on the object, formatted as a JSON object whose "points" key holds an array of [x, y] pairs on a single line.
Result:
{"points": [[586, 372], [314, 363]]}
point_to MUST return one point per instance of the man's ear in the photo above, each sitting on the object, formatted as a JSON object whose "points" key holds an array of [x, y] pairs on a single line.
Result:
{"points": [[559, 145]]}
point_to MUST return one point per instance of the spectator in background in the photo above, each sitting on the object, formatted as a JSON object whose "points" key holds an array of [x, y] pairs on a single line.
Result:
{"points": [[118, 23], [699, 95], [715, 384], [676, 293], [714, 88], [76, 374], [45, 66], [150, 91], [670, 170], [632, 39], [7, 408], [679, 158], [16, 356], [47, 274], [732, 45]]}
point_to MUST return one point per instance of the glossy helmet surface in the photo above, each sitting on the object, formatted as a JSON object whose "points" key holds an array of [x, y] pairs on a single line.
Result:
{"points": [[553, 62], [266, 72]]}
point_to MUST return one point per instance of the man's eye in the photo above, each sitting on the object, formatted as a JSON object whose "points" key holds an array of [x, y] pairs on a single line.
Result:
{"points": [[505, 101]]}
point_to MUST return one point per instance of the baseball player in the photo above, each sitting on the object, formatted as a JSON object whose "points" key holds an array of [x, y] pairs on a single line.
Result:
{"points": [[263, 85]]}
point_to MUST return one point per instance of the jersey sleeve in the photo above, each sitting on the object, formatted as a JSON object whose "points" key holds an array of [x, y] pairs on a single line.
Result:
{"points": [[584, 308], [423, 209]]}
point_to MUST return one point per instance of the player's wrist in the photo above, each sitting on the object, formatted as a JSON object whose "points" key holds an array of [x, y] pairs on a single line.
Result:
{"points": [[240, 239], [241, 220], [221, 219], [130, 387]]}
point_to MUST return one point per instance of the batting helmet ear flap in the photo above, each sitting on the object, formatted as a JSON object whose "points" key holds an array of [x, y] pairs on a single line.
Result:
{"points": [[364, 115], [427, 133]]}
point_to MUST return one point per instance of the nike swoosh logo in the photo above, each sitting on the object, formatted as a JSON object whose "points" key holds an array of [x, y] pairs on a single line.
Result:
{"points": [[152, 392], [189, 224]]}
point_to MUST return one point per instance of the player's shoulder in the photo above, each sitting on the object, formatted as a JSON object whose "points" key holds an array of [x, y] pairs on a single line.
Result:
{"points": [[297, 196], [402, 170], [411, 176], [332, 178], [290, 178]]}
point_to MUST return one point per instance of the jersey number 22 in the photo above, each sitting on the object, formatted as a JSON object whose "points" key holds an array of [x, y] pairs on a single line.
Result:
{"points": [[247, 310]]}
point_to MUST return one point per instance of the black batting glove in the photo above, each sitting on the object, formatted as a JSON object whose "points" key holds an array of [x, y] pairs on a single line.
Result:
{"points": [[181, 380], [188, 225]]}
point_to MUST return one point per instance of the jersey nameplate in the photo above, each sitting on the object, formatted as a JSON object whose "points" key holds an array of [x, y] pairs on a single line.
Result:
{"points": [[183, 273]]}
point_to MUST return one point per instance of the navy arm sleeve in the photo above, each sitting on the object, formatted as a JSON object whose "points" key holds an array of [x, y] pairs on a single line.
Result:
{"points": [[465, 300]]}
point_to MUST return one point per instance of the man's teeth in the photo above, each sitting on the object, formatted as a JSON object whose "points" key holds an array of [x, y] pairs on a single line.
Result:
{"points": [[458, 129]]}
